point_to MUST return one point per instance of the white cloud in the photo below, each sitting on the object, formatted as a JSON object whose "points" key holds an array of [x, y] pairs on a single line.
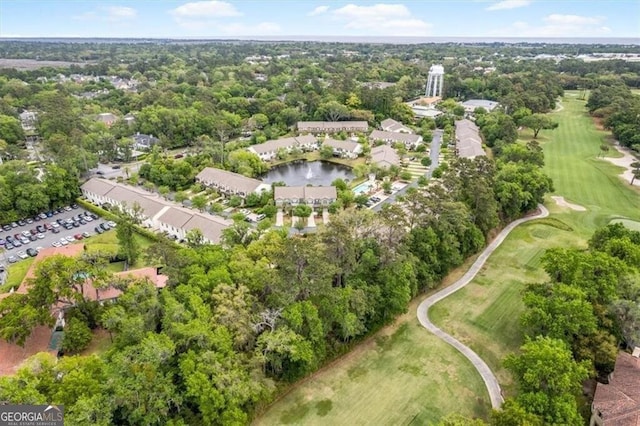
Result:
{"points": [[509, 4], [382, 19], [556, 25], [556, 19], [206, 9], [318, 11], [121, 12]]}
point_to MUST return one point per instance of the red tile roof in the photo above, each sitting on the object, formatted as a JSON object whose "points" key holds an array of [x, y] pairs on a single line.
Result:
{"points": [[619, 401]]}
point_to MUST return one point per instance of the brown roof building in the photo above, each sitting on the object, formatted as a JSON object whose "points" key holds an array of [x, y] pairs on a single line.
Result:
{"points": [[332, 126], [311, 195], [618, 402], [231, 183], [385, 156]]}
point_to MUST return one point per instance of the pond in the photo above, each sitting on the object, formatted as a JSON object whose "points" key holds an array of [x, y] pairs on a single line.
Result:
{"points": [[302, 173]]}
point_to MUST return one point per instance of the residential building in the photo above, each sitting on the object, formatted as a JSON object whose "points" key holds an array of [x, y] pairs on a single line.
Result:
{"points": [[316, 127], [345, 149], [229, 183], [129, 119], [154, 211], [411, 141], [269, 150], [472, 104], [143, 142], [425, 107], [314, 196], [391, 125], [107, 118], [468, 140], [617, 403], [28, 120], [385, 156]]}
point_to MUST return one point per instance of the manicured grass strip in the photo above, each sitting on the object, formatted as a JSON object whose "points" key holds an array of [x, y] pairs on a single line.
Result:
{"points": [[403, 376], [17, 272]]}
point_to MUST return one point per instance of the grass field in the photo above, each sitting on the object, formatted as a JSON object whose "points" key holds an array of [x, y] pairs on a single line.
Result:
{"points": [[485, 313], [401, 376], [383, 384]]}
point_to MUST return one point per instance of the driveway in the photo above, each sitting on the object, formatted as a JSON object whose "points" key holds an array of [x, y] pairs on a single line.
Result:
{"points": [[495, 394], [49, 237]]}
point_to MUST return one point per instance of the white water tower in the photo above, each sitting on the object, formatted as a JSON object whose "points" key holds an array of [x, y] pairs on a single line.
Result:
{"points": [[434, 81]]}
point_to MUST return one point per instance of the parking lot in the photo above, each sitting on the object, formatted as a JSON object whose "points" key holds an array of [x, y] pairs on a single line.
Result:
{"points": [[48, 238]]}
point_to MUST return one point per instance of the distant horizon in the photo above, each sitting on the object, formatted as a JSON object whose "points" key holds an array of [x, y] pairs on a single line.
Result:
{"points": [[351, 39]]}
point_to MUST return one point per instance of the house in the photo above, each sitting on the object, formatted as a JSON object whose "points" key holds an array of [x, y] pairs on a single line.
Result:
{"points": [[411, 141], [269, 150], [425, 107], [472, 104], [230, 183], [617, 403], [316, 127], [384, 156], [346, 149], [154, 211], [107, 118], [391, 125], [144, 142], [314, 196], [28, 120], [468, 140]]}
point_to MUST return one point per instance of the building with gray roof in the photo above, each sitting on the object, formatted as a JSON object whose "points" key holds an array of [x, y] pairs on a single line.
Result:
{"points": [[468, 140], [269, 150], [314, 196], [332, 126], [230, 183], [411, 141], [385, 156]]}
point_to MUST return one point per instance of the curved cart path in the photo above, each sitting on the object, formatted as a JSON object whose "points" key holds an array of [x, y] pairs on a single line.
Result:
{"points": [[487, 375]]}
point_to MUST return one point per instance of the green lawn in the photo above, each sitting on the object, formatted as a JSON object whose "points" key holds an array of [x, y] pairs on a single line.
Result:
{"points": [[17, 272], [485, 313], [108, 243], [401, 376]]}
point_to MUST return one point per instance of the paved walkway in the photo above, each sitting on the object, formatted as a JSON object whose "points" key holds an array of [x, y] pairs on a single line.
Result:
{"points": [[487, 375]]}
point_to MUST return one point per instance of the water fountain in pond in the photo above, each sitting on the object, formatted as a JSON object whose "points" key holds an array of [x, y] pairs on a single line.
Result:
{"points": [[309, 174]]}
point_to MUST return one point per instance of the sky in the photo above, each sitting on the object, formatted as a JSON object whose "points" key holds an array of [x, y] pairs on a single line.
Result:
{"points": [[282, 18]]}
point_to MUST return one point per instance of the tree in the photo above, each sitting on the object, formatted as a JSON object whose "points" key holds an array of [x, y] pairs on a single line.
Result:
{"points": [[537, 122], [635, 171], [326, 152], [332, 111], [77, 336], [11, 130], [125, 232], [425, 161], [199, 202], [548, 379]]}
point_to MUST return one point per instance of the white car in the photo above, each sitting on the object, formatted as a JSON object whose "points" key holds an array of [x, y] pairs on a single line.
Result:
{"points": [[112, 224], [40, 236], [55, 224], [70, 239], [88, 219], [64, 241], [56, 244], [22, 255]]}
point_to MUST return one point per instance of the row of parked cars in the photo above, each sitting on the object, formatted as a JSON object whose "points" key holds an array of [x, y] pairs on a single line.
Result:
{"points": [[371, 201], [38, 218]]}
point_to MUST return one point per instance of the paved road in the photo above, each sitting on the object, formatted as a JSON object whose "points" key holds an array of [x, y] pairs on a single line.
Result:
{"points": [[434, 155], [489, 378]]}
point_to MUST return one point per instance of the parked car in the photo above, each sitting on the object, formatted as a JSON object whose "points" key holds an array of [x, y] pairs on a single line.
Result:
{"points": [[12, 259], [32, 252], [16, 244], [28, 220], [41, 228], [20, 223], [48, 226], [67, 208], [78, 236], [40, 236], [93, 216], [56, 230], [76, 224], [112, 224], [98, 230], [64, 241], [105, 226], [33, 237], [86, 234], [74, 206], [22, 255], [56, 244], [2, 242], [70, 239]]}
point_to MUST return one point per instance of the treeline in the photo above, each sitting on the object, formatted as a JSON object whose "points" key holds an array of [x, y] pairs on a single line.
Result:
{"points": [[237, 319], [26, 191], [620, 110]]}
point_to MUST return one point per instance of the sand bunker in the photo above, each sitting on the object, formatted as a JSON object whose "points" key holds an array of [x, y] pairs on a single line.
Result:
{"points": [[564, 203], [624, 161]]}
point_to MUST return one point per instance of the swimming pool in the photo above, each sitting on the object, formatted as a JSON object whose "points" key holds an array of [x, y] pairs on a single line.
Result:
{"points": [[362, 188]]}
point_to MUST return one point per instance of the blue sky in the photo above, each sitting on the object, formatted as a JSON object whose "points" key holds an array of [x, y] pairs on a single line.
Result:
{"points": [[424, 18]]}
